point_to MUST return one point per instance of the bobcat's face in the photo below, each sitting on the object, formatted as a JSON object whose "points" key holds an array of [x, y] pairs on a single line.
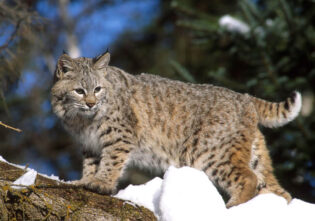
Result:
{"points": [[80, 87], [85, 99]]}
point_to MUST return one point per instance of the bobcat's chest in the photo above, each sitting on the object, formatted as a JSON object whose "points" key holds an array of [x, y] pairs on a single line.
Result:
{"points": [[89, 139]]}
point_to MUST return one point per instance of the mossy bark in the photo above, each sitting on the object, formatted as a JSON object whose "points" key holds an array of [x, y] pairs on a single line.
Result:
{"points": [[52, 200]]}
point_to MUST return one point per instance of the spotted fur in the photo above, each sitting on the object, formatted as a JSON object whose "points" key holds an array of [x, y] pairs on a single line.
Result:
{"points": [[153, 122]]}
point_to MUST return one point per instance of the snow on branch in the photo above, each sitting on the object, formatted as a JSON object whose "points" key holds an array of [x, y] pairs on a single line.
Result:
{"points": [[233, 25]]}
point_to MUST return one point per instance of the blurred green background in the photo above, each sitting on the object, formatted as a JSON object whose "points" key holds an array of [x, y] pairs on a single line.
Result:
{"points": [[265, 48]]}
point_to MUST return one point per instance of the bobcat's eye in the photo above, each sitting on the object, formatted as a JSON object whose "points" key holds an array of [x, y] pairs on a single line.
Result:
{"points": [[65, 69], [97, 89], [79, 91]]}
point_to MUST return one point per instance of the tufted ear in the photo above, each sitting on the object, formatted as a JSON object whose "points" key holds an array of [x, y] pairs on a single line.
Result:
{"points": [[102, 61], [64, 65]]}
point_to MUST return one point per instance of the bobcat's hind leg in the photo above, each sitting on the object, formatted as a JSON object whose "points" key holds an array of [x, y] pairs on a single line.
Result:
{"points": [[273, 186], [239, 181], [263, 168], [242, 187]]}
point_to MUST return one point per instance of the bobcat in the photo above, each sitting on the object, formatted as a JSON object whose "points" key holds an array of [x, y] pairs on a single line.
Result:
{"points": [[153, 122]]}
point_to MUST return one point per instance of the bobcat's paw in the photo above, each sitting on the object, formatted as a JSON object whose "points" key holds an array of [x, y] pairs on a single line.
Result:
{"points": [[100, 186], [96, 185]]}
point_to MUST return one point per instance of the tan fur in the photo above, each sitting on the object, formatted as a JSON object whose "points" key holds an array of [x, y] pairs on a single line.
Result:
{"points": [[155, 122]]}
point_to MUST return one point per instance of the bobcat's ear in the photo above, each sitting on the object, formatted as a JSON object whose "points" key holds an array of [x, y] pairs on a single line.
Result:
{"points": [[102, 61], [64, 65]]}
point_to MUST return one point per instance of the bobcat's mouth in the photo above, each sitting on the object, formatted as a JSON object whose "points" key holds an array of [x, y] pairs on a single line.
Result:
{"points": [[88, 112]]}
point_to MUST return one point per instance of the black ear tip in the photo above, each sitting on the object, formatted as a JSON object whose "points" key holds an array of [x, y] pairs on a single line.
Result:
{"points": [[64, 52], [98, 57]]}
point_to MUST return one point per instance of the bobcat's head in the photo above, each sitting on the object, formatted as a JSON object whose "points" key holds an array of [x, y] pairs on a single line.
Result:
{"points": [[80, 87]]}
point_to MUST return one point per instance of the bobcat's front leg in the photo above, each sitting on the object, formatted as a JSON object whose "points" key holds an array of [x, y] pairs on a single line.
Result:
{"points": [[90, 165], [110, 168]]}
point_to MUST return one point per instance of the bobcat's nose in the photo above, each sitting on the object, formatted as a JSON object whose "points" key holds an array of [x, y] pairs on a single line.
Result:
{"points": [[90, 104], [90, 101]]}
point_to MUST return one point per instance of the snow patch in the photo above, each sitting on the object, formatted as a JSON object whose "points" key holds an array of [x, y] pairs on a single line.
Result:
{"points": [[2, 159], [268, 206], [146, 195], [54, 177], [187, 194], [26, 180]]}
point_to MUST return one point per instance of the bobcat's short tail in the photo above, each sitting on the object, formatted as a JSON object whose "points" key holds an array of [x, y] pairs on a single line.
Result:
{"points": [[272, 114]]}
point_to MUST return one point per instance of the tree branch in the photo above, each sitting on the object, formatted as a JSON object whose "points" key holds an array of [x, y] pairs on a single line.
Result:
{"points": [[9, 127], [53, 200]]}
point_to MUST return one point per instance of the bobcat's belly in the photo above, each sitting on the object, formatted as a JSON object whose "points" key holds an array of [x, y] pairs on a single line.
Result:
{"points": [[152, 159]]}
